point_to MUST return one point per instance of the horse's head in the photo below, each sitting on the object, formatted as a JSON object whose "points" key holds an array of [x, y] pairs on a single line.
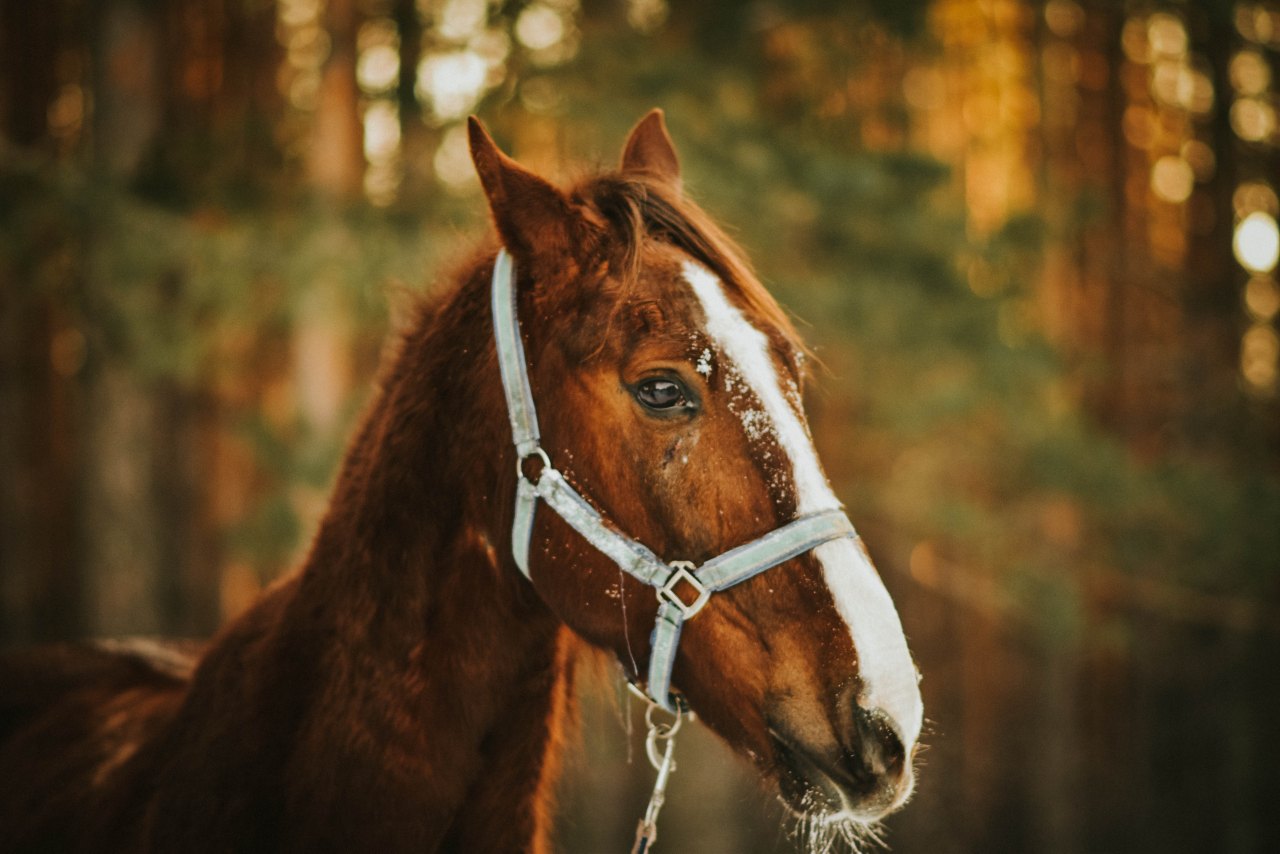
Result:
{"points": [[668, 387]]}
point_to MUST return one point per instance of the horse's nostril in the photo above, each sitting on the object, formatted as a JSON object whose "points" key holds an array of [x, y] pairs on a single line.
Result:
{"points": [[878, 746]]}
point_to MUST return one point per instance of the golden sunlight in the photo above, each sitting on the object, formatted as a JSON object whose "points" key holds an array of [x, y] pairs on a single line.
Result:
{"points": [[1259, 355], [1262, 298], [1257, 242], [452, 82], [1172, 179]]}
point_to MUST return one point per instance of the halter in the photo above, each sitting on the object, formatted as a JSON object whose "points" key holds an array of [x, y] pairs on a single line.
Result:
{"points": [[719, 573]]}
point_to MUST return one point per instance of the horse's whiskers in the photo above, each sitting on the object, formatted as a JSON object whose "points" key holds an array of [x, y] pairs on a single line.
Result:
{"points": [[819, 831]]}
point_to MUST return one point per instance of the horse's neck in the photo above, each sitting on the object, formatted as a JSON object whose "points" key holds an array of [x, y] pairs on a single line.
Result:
{"points": [[431, 715], [420, 681]]}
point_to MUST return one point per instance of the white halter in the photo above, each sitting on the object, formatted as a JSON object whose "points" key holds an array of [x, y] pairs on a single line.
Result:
{"points": [[730, 568]]}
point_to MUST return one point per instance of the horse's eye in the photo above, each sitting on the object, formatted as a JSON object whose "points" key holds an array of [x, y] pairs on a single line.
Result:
{"points": [[658, 393]]}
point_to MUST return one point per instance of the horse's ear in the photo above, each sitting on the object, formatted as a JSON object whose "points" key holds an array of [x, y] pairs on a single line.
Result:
{"points": [[649, 150], [535, 220]]}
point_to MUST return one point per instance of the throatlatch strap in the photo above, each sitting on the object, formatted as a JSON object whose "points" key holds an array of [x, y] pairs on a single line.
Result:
{"points": [[721, 572]]}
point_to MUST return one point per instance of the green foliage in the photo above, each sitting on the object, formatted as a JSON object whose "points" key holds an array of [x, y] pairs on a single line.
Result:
{"points": [[968, 431], [161, 286], [166, 290], [964, 428]]}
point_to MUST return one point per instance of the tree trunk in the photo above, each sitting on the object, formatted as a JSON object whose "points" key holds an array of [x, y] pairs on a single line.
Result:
{"points": [[336, 164], [40, 582], [121, 526]]}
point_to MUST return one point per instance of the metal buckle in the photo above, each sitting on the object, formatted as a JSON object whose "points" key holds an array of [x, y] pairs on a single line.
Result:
{"points": [[683, 572]]}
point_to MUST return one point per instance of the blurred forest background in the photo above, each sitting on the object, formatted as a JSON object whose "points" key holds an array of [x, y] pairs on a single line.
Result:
{"points": [[1033, 241]]}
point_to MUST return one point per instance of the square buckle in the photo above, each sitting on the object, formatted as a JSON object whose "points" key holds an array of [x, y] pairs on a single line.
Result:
{"points": [[667, 592]]}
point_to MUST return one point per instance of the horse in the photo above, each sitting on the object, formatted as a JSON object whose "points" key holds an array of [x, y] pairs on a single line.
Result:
{"points": [[410, 686]]}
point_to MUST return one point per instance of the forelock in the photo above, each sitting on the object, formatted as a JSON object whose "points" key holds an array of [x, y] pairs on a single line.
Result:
{"points": [[637, 209]]}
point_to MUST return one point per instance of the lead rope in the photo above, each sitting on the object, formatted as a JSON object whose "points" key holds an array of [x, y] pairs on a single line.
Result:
{"points": [[664, 764]]}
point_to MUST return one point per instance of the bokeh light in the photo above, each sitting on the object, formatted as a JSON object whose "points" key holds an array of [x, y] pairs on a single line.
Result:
{"points": [[1262, 298], [382, 151], [1063, 17], [378, 69], [381, 130], [1256, 23], [1253, 119], [1199, 155], [452, 82], [1134, 42], [306, 46], [1257, 242], [66, 113], [1253, 196], [539, 27], [646, 16], [297, 13], [1167, 35], [1250, 73], [1172, 179], [459, 20], [1259, 358]]}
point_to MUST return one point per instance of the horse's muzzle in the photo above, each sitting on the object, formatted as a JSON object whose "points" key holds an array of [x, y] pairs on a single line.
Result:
{"points": [[865, 776]]}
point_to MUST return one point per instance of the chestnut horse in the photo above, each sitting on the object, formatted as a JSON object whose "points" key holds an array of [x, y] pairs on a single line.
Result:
{"points": [[408, 688]]}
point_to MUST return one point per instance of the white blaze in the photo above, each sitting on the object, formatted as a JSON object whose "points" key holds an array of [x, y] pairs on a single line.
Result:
{"points": [[888, 674]]}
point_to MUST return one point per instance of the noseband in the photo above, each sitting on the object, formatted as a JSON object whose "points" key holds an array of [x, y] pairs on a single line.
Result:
{"points": [[719, 573]]}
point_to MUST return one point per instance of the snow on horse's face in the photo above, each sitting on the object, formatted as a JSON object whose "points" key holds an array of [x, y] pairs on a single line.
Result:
{"points": [[668, 385]]}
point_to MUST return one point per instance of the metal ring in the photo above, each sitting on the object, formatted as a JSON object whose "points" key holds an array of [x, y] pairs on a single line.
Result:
{"points": [[651, 748], [662, 730], [521, 460]]}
